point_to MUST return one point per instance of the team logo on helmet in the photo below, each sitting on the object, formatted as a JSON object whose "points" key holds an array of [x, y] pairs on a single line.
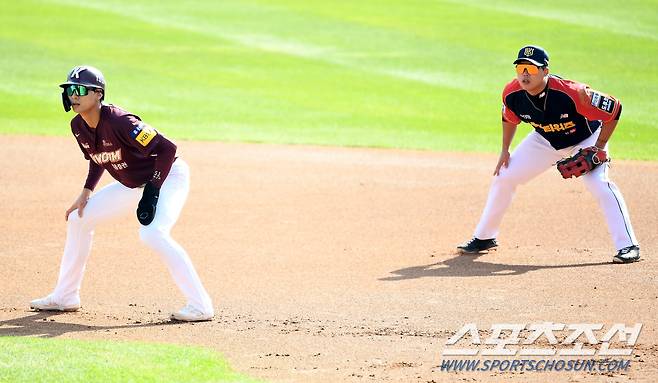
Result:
{"points": [[528, 52], [86, 75], [76, 72]]}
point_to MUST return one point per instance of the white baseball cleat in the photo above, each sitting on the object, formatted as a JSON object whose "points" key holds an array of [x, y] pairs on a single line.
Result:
{"points": [[191, 314], [48, 304]]}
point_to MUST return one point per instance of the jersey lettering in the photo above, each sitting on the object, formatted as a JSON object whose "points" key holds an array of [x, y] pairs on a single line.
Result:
{"points": [[120, 166], [554, 127], [105, 157]]}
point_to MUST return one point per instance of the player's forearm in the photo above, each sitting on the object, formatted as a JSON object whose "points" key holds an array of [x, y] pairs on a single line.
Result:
{"points": [[165, 155], [86, 192], [607, 129], [606, 132], [509, 130], [93, 176]]}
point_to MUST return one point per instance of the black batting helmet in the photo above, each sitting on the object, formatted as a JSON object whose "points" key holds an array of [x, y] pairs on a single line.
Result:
{"points": [[82, 75]]}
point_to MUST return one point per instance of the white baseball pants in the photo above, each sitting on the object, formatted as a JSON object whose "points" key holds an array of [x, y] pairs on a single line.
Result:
{"points": [[533, 156], [116, 200]]}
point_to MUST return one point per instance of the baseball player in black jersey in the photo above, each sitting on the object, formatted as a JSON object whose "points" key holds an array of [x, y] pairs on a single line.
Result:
{"points": [[566, 116], [151, 181]]}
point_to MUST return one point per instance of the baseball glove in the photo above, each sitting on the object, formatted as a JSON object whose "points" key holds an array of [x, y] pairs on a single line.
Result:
{"points": [[584, 161]]}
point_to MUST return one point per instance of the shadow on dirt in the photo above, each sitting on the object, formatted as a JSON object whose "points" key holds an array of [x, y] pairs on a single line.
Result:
{"points": [[469, 266], [42, 325]]}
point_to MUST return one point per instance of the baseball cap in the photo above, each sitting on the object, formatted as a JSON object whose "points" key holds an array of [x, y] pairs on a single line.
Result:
{"points": [[533, 53]]}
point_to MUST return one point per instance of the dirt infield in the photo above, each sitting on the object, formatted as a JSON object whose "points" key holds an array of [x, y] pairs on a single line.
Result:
{"points": [[331, 264]]}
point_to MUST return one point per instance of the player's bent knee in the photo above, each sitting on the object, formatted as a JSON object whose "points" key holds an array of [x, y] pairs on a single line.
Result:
{"points": [[507, 179], [151, 235], [75, 220]]}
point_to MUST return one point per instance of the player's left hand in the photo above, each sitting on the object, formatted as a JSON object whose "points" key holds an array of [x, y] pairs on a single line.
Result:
{"points": [[148, 203], [80, 203], [503, 160]]}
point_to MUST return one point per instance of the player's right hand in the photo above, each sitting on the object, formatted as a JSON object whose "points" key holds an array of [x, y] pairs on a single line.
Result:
{"points": [[503, 160], [79, 204]]}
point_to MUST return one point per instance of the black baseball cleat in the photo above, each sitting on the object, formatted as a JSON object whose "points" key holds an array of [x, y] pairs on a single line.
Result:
{"points": [[476, 246], [627, 255]]}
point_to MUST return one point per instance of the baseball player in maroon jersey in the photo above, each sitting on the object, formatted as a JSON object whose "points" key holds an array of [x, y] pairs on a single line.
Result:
{"points": [[566, 116], [150, 179]]}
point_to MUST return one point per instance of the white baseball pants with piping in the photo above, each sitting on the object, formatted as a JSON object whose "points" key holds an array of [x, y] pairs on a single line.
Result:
{"points": [[115, 200], [533, 156]]}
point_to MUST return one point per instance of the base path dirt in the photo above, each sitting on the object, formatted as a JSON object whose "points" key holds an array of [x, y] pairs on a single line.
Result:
{"points": [[334, 264]]}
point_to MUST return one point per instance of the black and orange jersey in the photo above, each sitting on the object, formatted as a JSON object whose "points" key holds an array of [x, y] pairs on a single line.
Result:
{"points": [[565, 113]]}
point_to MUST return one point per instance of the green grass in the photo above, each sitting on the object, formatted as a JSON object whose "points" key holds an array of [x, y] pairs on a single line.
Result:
{"points": [[49, 360], [408, 74]]}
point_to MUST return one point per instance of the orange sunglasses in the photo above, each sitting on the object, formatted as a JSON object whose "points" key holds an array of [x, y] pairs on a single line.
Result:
{"points": [[532, 69]]}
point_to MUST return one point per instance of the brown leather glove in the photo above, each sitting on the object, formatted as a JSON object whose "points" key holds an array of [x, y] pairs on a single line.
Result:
{"points": [[584, 161]]}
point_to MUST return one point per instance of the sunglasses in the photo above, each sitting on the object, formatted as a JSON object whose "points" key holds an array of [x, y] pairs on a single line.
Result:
{"points": [[532, 69], [80, 90]]}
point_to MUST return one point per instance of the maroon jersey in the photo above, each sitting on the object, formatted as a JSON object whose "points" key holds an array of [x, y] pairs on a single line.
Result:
{"points": [[565, 113], [125, 146]]}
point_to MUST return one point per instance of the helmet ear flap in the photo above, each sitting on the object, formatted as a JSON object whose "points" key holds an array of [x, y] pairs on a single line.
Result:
{"points": [[65, 101]]}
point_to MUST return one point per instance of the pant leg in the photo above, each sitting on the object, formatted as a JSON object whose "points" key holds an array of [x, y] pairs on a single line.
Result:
{"points": [[156, 235], [611, 201], [530, 158], [110, 202]]}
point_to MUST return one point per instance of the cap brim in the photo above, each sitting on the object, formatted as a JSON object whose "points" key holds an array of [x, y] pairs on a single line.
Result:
{"points": [[531, 60], [66, 84]]}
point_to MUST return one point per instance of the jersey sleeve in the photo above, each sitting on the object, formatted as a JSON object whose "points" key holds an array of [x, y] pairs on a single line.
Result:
{"points": [[139, 134], [508, 114], [93, 176], [595, 105], [84, 152], [165, 154]]}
